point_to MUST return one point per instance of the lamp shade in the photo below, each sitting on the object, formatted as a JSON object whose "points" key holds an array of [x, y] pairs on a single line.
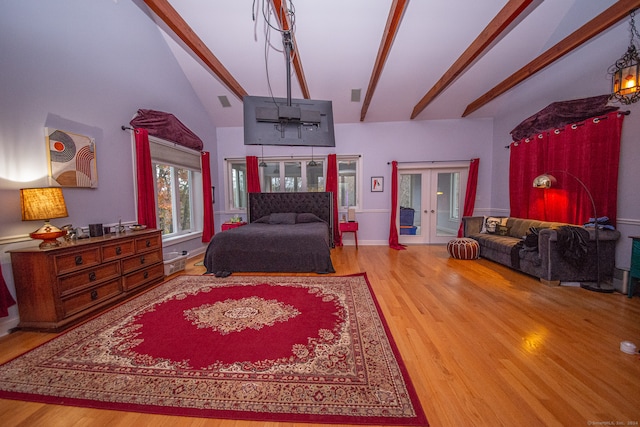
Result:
{"points": [[42, 203], [544, 181]]}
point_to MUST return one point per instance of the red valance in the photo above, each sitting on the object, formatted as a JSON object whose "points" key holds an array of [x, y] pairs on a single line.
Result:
{"points": [[560, 114], [166, 126]]}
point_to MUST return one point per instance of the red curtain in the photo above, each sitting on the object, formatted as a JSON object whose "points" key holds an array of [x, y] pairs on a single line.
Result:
{"points": [[588, 151], [145, 181], [207, 198], [527, 161], [6, 300], [253, 175], [393, 229], [332, 186], [470, 195]]}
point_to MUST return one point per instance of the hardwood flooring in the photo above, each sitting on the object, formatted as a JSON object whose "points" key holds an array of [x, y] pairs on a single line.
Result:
{"points": [[484, 346]]}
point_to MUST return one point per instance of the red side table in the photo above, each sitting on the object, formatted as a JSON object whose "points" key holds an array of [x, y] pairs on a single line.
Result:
{"points": [[230, 225], [350, 227]]}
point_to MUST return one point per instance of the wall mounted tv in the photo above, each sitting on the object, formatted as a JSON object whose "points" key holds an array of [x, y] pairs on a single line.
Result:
{"points": [[272, 121]]}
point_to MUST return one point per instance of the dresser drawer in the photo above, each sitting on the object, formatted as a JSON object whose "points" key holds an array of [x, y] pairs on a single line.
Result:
{"points": [[90, 297], [142, 260], [77, 260], [87, 278], [118, 250], [149, 243], [139, 278]]}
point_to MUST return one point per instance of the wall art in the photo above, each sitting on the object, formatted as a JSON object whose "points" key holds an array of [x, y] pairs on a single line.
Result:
{"points": [[72, 159], [377, 183]]}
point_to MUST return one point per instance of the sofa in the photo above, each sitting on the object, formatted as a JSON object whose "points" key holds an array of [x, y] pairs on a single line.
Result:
{"points": [[554, 252]]}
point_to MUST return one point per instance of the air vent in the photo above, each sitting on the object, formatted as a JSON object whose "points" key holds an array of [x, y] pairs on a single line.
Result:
{"points": [[224, 101], [355, 95]]}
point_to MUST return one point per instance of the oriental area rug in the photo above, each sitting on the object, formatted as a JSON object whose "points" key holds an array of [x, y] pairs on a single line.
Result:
{"points": [[277, 348]]}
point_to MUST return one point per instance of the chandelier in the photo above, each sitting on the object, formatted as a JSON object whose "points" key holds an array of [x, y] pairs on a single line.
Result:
{"points": [[624, 72]]}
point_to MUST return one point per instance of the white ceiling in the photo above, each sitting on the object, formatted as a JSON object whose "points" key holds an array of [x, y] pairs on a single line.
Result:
{"points": [[338, 42]]}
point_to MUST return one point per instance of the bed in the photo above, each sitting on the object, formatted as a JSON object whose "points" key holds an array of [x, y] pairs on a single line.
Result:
{"points": [[287, 232]]}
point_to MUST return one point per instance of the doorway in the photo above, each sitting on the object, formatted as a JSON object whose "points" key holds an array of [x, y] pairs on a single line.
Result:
{"points": [[430, 203]]}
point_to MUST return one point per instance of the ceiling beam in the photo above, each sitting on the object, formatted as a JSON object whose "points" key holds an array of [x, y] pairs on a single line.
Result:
{"points": [[172, 18], [502, 20], [280, 7], [393, 23], [600, 23]]}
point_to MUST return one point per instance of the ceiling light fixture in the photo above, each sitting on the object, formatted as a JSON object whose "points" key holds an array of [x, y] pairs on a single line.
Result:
{"points": [[312, 162], [262, 163], [624, 73]]}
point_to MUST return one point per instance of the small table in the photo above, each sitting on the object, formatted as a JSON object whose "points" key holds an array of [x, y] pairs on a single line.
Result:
{"points": [[230, 225], [634, 273], [349, 227]]}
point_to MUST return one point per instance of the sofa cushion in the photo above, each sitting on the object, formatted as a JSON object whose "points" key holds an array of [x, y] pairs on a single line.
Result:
{"points": [[490, 223], [519, 227], [496, 242]]}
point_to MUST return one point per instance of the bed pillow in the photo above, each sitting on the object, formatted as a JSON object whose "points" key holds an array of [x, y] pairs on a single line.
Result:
{"points": [[307, 217], [262, 220], [283, 218]]}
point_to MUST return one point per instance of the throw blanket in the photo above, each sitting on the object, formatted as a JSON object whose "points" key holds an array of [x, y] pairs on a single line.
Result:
{"points": [[572, 244]]}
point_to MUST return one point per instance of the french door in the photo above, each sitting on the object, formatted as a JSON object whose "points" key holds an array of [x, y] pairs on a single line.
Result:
{"points": [[430, 203]]}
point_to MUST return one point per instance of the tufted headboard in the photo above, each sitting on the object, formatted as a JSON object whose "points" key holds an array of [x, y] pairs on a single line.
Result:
{"points": [[319, 204]]}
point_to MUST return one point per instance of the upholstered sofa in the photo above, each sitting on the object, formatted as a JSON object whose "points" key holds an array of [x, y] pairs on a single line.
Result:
{"points": [[554, 256]]}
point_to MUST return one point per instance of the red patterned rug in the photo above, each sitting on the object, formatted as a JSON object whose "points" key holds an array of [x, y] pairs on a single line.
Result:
{"points": [[277, 348]]}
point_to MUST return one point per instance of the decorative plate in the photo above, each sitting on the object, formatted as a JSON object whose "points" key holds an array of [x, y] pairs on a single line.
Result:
{"points": [[137, 227]]}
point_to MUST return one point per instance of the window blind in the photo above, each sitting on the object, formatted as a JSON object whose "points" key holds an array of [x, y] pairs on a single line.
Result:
{"points": [[175, 155]]}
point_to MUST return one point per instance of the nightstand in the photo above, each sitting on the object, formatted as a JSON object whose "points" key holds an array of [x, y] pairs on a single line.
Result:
{"points": [[230, 225], [349, 227]]}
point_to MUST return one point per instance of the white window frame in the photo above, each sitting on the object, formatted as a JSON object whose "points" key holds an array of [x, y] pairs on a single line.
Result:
{"points": [[229, 204], [187, 159]]}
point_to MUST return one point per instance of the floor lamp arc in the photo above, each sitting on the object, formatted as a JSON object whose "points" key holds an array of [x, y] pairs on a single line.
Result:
{"points": [[547, 180]]}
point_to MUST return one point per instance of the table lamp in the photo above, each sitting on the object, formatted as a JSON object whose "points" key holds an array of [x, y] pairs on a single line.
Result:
{"points": [[44, 204]]}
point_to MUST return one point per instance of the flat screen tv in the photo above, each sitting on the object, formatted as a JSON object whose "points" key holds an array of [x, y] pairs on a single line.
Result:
{"points": [[271, 121]]}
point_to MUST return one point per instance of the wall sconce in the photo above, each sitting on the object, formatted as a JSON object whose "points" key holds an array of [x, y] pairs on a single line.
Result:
{"points": [[44, 204], [624, 73]]}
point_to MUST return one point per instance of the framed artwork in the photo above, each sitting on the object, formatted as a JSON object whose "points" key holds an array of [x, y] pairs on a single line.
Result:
{"points": [[72, 159], [377, 183]]}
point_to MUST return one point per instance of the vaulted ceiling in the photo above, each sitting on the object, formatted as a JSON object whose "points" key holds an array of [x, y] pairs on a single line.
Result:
{"points": [[410, 60]]}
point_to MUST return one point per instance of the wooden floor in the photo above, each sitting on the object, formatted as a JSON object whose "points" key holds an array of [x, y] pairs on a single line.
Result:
{"points": [[484, 346]]}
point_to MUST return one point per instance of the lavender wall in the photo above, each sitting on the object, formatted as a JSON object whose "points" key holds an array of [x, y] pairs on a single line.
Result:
{"points": [[85, 67], [379, 144]]}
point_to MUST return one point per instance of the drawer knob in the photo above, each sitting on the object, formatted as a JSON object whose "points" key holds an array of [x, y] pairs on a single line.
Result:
{"points": [[92, 276], [78, 259], [118, 250], [94, 295], [146, 274], [141, 260], [148, 243]]}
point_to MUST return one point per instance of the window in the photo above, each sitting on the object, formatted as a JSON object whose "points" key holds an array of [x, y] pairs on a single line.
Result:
{"points": [[347, 182], [293, 175], [454, 199], [178, 188], [173, 189]]}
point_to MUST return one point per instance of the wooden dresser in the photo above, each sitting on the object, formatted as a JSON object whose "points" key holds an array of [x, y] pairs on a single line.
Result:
{"points": [[59, 286]]}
